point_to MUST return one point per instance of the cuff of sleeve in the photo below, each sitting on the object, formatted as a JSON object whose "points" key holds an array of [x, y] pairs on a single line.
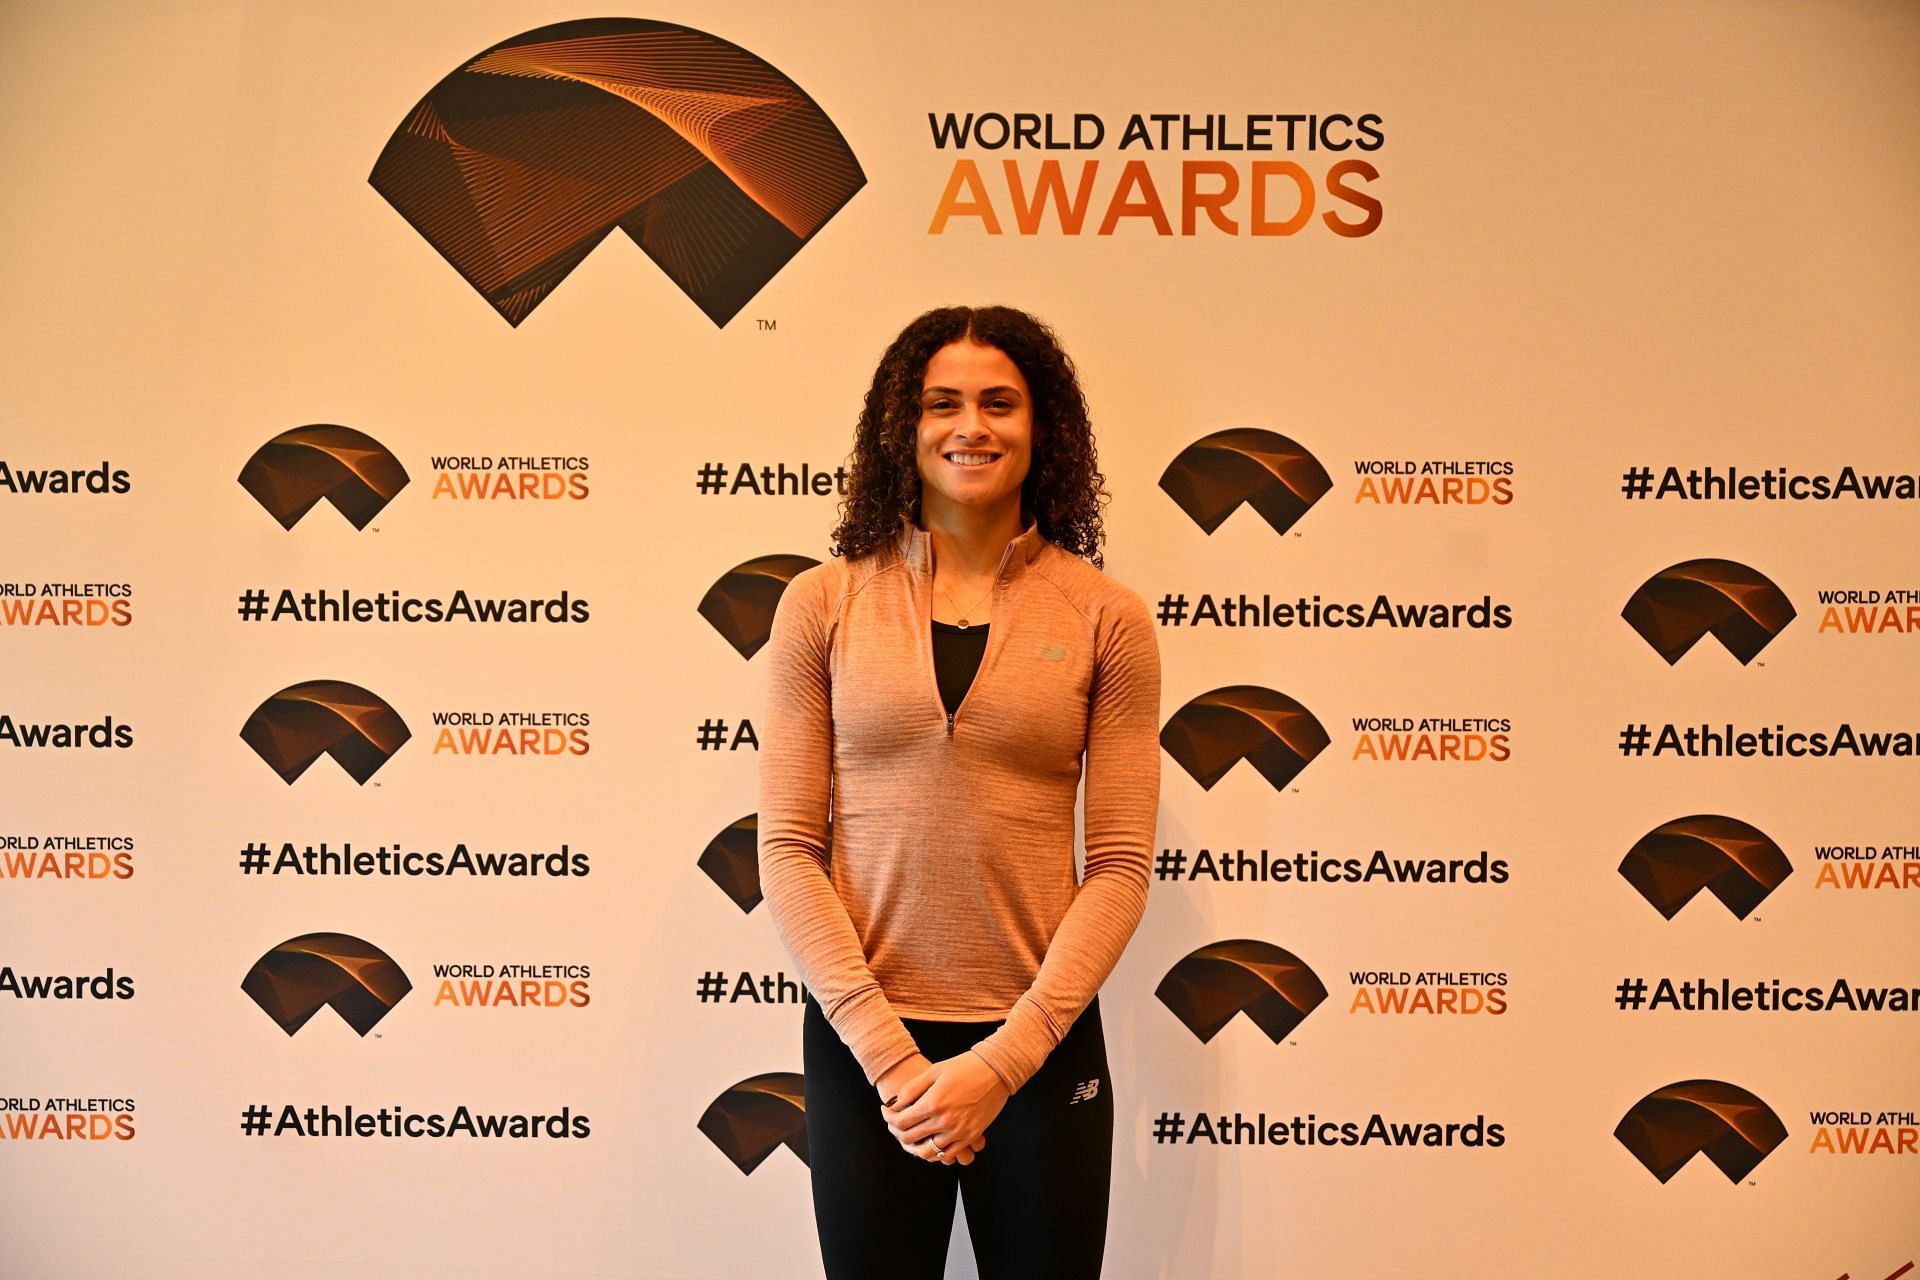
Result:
{"points": [[990, 1059], [1022, 1043], [874, 1034]]}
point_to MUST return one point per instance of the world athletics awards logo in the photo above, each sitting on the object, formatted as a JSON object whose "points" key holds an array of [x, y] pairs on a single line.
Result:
{"points": [[740, 605], [757, 1115], [523, 159], [296, 979], [1737, 863], [1269, 730], [303, 722], [1215, 474], [1270, 984], [291, 472], [1670, 1126], [1739, 606]]}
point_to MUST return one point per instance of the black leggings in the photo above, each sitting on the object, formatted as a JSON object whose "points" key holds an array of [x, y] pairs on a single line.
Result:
{"points": [[1036, 1197]]}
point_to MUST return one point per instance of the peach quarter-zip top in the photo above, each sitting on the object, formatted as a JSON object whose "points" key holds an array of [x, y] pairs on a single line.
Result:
{"points": [[948, 892]]}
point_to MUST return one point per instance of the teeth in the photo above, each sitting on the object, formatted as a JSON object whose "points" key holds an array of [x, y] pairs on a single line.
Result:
{"points": [[970, 459]]}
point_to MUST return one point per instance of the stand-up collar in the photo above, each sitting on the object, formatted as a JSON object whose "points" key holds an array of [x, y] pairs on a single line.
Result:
{"points": [[915, 546]]}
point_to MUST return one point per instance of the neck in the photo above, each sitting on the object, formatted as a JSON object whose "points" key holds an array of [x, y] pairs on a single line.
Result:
{"points": [[971, 540]]}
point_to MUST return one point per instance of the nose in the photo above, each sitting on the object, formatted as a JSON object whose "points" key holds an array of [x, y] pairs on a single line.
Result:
{"points": [[969, 427]]}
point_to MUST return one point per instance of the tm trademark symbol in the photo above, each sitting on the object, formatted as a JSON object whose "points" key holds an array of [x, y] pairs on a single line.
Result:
{"points": [[767, 326]]}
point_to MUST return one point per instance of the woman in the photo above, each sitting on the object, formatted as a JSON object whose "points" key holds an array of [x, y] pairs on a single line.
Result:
{"points": [[936, 687]]}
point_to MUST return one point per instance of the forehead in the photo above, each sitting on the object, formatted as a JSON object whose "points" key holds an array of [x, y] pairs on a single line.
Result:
{"points": [[966, 365]]}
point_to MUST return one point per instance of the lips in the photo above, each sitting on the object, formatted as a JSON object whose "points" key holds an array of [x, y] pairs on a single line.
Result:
{"points": [[970, 460]]}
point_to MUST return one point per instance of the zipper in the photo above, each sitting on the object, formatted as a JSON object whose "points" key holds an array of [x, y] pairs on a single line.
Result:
{"points": [[986, 658]]}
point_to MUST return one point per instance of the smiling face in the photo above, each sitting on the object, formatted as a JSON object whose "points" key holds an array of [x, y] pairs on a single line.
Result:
{"points": [[975, 439]]}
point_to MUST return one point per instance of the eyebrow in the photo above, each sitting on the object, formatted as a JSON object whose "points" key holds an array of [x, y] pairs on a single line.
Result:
{"points": [[954, 391]]}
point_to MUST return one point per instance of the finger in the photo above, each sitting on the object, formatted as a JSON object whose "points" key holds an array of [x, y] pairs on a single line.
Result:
{"points": [[907, 1113], [914, 1141], [921, 1114], [912, 1089], [907, 1137], [919, 1132], [919, 1126]]}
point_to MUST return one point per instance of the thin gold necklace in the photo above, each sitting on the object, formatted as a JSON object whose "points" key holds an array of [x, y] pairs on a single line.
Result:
{"points": [[962, 624]]}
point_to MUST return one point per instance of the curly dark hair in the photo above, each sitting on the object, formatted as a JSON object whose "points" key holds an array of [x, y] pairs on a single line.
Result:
{"points": [[1064, 489]]}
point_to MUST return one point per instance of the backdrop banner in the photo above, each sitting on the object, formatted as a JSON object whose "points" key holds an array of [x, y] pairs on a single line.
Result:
{"points": [[412, 416]]}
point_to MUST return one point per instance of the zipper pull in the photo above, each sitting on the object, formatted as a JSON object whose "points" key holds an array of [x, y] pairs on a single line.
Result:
{"points": [[949, 724]]}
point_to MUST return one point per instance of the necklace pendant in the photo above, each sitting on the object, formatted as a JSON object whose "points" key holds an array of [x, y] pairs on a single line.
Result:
{"points": [[962, 624]]}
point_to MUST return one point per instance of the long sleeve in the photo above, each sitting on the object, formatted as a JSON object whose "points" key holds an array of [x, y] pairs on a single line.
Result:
{"points": [[1121, 810], [796, 771]]}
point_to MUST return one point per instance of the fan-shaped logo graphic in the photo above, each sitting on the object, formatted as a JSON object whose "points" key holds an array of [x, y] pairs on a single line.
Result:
{"points": [[1740, 607], [732, 861], [1271, 985], [349, 468], [1739, 864], [740, 605], [1215, 474], [303, 722], [1669, 1126], [296, 979], [523, 159], [757, 1115], [1269, 730]]}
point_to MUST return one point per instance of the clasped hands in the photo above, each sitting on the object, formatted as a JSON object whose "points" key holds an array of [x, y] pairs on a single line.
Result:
{"points": [[951, 1102]]}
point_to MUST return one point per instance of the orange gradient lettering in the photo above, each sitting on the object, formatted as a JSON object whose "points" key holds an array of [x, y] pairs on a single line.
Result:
{"points": [[1051, 182], [545, 485], [1135, 175], [1263, 170], [509, 741], [1339, 190], [1193, 200], [1212, 187], [1868, 875], [966, 174], [1871, 620]]}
